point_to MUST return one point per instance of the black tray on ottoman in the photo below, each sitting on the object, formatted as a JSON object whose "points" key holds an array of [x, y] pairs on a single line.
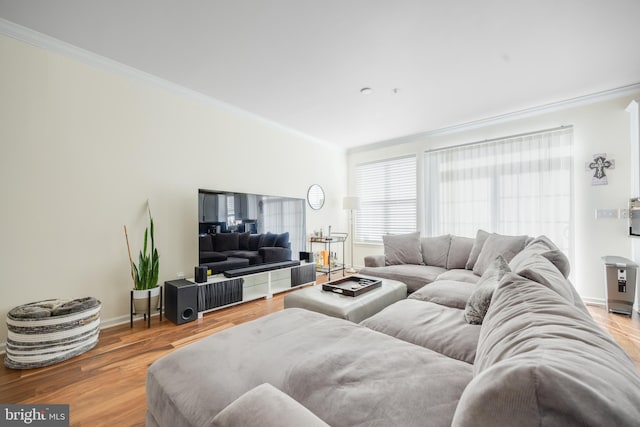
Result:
{"points": [[352, 286]]}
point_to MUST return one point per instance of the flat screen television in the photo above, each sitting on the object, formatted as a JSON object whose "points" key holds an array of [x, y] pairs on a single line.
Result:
{"points": [[226, 211]]}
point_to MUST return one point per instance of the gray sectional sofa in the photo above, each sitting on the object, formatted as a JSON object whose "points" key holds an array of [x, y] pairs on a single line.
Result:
{"points": [[536, 358]]}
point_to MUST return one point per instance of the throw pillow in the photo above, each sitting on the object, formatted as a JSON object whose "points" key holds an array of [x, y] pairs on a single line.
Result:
{"points": [[282, 241], [268, 240], [266, 406], [254, 241], [243, 241], [560, 260], [435, 250], [205, 243], [459, 252], [539, 269], [227, 242], [481, 237], [497, 244], [544, 246], [402, 249], [479, 301]]}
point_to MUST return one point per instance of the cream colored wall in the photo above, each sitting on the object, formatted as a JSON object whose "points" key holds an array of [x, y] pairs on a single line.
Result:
{"points": [[83, 148], [599, 127]]}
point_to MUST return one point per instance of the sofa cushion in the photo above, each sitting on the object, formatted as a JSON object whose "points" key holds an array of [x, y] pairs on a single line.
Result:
{"points": [[498, 244], [478, 243], [268, 240], [243, 241], [254, 241], [275, 254], [544, 246], [402, 249], [414, 276], [205, 243], [211, 256], [539, 269], [445, 292], [374, 260], [479, 301], [227, 242], [459, 251], [435, 250], [254, 257], [266, 406], [433, 326], [459, 275], [541, 361], [282, 241]]}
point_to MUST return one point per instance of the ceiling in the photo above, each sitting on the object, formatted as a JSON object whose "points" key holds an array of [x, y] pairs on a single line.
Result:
{"points": [[302, 63]]}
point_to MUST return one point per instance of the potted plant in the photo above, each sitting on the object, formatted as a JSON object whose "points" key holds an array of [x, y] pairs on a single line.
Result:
{"points": [[145, 274]]}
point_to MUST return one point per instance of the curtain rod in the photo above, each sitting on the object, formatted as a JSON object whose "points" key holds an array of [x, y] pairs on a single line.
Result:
{"points": [[485, 141]]}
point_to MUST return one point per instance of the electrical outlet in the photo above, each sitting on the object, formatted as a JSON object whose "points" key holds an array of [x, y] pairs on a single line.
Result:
{"points": [[180, 275], [624, 213], [606, 213]]}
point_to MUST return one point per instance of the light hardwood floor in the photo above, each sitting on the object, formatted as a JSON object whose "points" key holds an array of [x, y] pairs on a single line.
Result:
{"points": [[106, 386]]}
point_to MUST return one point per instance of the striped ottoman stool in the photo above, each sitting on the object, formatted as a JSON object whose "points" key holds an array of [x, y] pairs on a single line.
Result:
{"points": [[47, 332]]}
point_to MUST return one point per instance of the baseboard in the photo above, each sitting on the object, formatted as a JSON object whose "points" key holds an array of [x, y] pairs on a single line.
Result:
{"points": [[594, 301], [115, 321]]}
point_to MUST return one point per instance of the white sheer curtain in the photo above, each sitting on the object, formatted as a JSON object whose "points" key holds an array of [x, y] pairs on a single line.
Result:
{"points": [[280, 215], [517, 185]]}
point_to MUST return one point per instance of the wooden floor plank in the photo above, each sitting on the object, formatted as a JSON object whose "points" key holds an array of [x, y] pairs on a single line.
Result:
{"points": [[106, 386]]}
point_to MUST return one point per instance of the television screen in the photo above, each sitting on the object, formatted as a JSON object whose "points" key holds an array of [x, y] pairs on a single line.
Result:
{"points": [[224, 212]]}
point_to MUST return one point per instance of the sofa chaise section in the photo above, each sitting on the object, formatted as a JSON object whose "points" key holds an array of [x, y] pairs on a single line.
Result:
{"points": [[342, 372]]}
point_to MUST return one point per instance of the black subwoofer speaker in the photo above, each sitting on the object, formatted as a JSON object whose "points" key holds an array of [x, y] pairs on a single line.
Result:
{"points": [[180, 301]]}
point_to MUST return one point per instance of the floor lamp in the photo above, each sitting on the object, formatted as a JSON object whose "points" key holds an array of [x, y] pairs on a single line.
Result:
{"points": [[351, 203]]}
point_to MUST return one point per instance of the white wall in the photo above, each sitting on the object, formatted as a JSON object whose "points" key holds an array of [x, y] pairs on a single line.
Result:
{"points": [[83, 148], [599, 127]]}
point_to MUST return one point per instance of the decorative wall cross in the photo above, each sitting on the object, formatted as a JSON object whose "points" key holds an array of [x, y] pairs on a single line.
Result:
{"points": [[599, 165]]}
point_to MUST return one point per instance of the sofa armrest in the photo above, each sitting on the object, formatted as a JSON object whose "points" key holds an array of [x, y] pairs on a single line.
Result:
{"points": [[266, 406], [374, 261], [274, 254]]}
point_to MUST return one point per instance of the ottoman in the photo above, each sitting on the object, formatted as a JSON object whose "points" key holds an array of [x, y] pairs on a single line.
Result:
{"points": [[355, 309], [47, 332]]}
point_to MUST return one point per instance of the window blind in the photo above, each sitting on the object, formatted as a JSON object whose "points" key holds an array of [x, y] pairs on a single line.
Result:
{"points": [[387, 191]]}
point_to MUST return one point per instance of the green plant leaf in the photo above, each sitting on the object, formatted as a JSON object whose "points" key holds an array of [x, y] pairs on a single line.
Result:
{"points": [[146, 273]]}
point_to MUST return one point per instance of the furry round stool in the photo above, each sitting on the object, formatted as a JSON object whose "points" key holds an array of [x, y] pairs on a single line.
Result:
{"points": [[47, 332]]}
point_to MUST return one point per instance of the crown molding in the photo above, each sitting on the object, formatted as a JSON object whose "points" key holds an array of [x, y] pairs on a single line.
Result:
{"points": [[43, 41], [504, 118]]}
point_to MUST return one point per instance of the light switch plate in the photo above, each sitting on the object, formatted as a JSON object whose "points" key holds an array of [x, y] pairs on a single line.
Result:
{"points": [[606, 213]]}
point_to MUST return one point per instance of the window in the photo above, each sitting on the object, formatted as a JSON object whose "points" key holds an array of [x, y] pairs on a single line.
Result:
{"points": [[387, 191], [517, 185], [282, 214]]}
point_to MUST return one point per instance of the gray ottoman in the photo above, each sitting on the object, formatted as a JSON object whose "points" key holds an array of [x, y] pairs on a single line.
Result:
{"points": [[355, 309]]}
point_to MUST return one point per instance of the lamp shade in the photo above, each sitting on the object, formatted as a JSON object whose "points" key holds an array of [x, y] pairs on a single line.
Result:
{"points": [[351, 203]]}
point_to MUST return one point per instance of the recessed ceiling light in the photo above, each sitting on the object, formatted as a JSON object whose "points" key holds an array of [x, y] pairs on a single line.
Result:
{"points": [[366, 91]]}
